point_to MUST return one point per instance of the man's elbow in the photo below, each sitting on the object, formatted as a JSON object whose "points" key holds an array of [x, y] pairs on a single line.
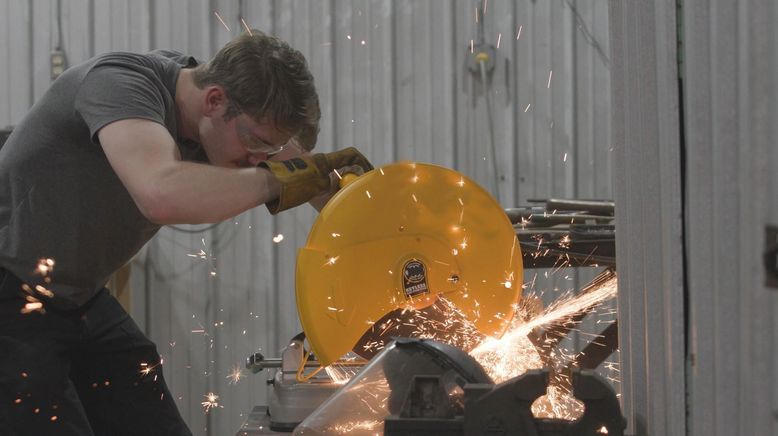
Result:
{"points": [[162, 209], [157, 208]]}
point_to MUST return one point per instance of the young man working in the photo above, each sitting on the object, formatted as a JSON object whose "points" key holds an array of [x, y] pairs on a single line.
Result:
{"points": [[117, 147]]}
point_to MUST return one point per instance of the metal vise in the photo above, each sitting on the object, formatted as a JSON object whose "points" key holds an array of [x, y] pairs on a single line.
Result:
{"points": [[506, 409]]}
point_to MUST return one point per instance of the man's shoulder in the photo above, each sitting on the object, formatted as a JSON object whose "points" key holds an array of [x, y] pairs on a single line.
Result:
{"points": [[158, 69], [151, 60], [182, 59]]}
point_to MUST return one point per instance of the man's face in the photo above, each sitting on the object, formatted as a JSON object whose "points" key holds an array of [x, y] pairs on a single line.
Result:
{"points": [[240, 141]]}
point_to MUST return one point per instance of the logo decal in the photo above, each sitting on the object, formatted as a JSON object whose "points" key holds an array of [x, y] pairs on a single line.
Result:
{"points": [[414, 278]]}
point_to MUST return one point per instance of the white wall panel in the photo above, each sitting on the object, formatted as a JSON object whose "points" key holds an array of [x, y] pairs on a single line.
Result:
{"points": [[44, 39], [647, 186], [731, 65], [19, 23], [77, 29], [404, 94], [5, 73]]}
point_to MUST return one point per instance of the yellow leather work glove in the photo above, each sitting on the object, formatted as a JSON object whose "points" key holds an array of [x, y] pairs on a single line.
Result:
{"points": [[303, 178]]}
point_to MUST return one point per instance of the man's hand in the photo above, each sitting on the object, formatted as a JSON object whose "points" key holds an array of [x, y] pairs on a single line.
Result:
{"points": [[307, 177], [320, 200]]}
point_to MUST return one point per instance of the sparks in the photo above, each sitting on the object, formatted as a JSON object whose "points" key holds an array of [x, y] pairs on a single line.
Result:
{"points": [[455, 328], [353, 426], [145, 369], [235, 375], [45, 267], [499, 37], [332, 260], [527, 108], [550, 73], [201, 254], [211, 402], [41, 290], [341, 374], [278, 238], [222, 21], [246, 26], [518, 35], [33, 306]]}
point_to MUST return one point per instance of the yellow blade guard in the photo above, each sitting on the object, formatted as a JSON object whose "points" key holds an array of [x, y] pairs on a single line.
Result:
{"points": [[398, 237]]}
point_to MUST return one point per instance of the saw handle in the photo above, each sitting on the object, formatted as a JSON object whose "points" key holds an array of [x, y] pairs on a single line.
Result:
{"points": [[346, 179]]}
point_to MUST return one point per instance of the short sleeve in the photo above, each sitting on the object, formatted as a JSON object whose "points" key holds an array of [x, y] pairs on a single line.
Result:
{"points": [[110, 93]]}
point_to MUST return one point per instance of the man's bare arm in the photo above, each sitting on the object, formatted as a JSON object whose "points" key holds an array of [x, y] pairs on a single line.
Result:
{"points": [[168, 190]]}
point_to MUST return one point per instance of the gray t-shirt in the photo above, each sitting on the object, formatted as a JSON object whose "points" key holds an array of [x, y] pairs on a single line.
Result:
{"points": [[59, 196]]}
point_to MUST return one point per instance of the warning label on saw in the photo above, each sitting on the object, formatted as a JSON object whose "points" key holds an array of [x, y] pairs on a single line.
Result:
{"points": [[415, 278]]}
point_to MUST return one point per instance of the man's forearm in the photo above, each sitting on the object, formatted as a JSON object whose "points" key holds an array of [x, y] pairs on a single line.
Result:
{"points": [[192, 193], [320, 201]]}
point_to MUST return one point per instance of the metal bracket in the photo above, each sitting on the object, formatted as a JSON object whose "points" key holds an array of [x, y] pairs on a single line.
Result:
{"points": [[481, 52], [771, 256]]}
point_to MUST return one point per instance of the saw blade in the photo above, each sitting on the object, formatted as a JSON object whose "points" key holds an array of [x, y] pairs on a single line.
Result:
{"points": [[400, 237]]}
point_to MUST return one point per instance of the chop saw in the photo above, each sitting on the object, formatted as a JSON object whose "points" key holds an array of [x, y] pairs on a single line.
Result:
{"points": [[407, 238]]}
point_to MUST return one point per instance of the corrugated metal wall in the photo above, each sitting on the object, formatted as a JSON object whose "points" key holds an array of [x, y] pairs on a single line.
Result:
{"points": [[648, 187], [393, 81], [731, 90], [694, 196]]}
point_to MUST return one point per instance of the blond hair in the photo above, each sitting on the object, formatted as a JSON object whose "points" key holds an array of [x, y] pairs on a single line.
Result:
{"points": [[264, 77]]}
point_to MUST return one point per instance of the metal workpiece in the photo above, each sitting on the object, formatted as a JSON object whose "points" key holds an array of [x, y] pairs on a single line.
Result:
{"points": [[257, 362], [593, 207], [566, 232], [573, 246], [556, 210], [291, 359], [290, 401]]}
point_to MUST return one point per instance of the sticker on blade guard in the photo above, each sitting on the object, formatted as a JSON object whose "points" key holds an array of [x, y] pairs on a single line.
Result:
{"points": [[414, 278]]}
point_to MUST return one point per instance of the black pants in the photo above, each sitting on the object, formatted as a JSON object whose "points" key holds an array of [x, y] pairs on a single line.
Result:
{"points": [[79, 372]]}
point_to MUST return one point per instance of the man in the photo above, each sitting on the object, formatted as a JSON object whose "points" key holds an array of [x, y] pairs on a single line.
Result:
{"points": [[117, 147]]}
